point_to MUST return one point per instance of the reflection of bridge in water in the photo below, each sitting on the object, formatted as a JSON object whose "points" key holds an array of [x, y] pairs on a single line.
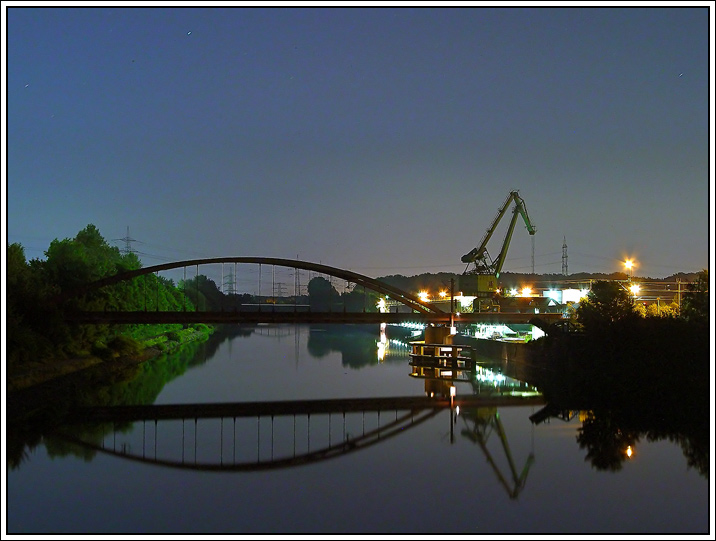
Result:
{"points": [[266, 435]]}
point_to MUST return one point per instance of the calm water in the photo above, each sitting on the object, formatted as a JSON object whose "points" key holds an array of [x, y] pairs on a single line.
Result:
{"points": [[428, 477]]}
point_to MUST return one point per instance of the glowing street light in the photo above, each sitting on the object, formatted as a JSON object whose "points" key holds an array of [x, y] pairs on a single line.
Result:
{"points": [[423, 296], [634, 289], [443, 294], [629, 264]]}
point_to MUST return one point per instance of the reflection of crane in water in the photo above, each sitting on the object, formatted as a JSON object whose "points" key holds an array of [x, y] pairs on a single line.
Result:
{"points": [[443, 365], [486, 422]]}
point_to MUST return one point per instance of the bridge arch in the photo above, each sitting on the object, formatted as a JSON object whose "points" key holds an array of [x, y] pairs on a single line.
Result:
{"points": [[404, 297], [280, 458]]}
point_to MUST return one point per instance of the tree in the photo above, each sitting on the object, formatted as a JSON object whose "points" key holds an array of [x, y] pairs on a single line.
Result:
{"points": [[74, 262], [321, 294], [695, 306], [360, 300], [606, 303]]}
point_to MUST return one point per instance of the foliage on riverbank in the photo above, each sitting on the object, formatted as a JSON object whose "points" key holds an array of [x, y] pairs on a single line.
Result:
{"points": [[42, 344], [632, 376], [36, 326], [122, 350]]}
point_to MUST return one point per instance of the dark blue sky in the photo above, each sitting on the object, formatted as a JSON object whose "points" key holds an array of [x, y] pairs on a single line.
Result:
{"points": [[378, 140]]}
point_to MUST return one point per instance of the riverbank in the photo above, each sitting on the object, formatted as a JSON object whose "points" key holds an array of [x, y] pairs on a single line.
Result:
{"points": [[31, 374]]}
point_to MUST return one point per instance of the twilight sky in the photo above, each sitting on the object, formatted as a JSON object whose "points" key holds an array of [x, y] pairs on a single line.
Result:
{"points": [[380, 140]]}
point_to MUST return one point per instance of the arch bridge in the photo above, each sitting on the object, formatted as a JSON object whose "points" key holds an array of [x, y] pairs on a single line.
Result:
{"points": [[417, 309]]}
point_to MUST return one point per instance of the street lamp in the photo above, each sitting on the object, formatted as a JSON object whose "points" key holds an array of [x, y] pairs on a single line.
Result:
{"points": [[629, 264], [635, 289]]}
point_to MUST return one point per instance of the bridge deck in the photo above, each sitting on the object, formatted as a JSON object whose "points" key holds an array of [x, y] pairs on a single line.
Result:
{"points": [[278, 316]]}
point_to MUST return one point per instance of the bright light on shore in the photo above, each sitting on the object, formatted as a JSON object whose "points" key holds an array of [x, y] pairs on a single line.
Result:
{"points": [[635, 289], [423, 296]]}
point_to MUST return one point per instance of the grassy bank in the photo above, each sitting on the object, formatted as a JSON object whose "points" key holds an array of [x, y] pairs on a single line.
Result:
{"points": [[136, 347]]}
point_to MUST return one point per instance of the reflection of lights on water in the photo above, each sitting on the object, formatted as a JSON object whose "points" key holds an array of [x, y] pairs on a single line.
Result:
{"points": [[382, 343], [485, 374], [629, 452]]}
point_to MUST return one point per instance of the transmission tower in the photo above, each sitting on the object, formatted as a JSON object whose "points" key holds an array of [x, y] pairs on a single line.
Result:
{"points": [[564, 257], [230, 283], [127, 244], [278, 289]]}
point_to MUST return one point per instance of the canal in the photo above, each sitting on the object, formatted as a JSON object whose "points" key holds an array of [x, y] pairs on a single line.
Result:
{"points": [[481, 470]]}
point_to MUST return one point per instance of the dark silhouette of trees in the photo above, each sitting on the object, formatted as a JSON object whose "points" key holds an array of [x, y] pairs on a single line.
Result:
{"points": [[695, 305], [606, 303], [322, 296], [636, 377]]}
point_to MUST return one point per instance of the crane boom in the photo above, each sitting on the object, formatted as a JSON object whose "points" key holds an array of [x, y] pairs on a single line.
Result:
{"points": [[482, 279], [478, 252], [522, 211], [479, 255]]}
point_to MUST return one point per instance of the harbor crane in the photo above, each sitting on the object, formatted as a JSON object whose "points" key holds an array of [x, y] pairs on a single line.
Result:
{"points": [[481, 279]]}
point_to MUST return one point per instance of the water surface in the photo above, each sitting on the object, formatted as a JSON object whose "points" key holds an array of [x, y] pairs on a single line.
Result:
{"points": [[431, 477]]}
